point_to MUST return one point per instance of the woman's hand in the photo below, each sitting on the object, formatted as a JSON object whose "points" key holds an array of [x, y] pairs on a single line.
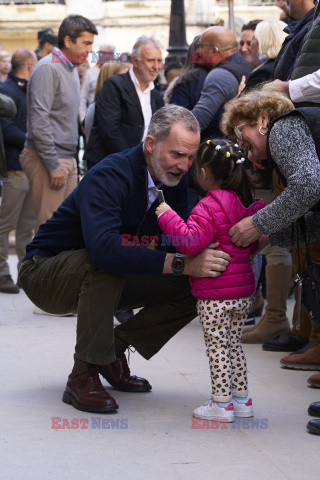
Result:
{"points": [[163, 207], [244, 232]]}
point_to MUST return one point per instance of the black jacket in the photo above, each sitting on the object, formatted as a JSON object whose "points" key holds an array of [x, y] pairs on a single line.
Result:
{"points": [[14, 129], [261, 74], [287, 56], [118, 120], [7, 109]]}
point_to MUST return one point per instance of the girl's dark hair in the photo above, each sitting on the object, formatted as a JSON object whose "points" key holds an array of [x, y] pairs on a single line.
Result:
{"points": [[220, 157]]}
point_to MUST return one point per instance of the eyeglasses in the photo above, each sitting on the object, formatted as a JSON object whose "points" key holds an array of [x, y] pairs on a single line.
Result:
{"points": [[200, 45], [238, 132]]}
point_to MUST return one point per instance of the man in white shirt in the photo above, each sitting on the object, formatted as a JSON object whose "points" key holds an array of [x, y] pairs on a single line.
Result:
{"points": [[304, 89], [105, 55], [125, 104]]}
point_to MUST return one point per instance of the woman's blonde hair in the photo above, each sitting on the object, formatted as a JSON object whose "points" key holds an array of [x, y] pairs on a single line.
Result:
{"points": [[270, 36], [4, 54], [107, 70], [247, 108]]}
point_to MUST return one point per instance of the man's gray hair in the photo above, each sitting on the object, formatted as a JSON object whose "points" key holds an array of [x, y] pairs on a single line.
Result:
{"points": [[163, 120], [109, 45], [136, 50]]}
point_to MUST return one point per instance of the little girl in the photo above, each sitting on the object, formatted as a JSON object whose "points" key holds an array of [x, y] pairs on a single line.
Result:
{"points": [[223, 302]]}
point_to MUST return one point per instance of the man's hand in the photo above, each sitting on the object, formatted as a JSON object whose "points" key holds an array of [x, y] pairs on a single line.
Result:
{"points": [[208, 263], [163, 207], [244, 232], [57, 179], [278, 86]]}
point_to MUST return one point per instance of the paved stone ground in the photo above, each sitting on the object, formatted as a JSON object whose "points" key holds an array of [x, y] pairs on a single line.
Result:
{"points": [[151, 438]]}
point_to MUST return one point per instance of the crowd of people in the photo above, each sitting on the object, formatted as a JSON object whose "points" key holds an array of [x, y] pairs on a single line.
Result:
{"points": [[232, 137]]}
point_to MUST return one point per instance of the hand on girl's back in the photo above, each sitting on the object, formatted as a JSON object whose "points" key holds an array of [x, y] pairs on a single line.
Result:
{"points": [[208, 263]]}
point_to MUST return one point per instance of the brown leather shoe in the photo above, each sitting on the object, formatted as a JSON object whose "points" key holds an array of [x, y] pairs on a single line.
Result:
{"points": [[118, 375], [314, 380], [85, 392], [309, 360]]}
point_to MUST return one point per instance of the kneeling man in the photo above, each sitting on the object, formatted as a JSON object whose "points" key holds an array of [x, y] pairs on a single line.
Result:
{"points": [[92, 258]]}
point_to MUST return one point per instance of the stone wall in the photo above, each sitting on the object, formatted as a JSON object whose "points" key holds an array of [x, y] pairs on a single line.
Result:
{"points": [[121, 22]]}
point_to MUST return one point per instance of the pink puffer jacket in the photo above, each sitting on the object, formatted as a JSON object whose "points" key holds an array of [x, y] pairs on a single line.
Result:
{"points": [[210, 221]]}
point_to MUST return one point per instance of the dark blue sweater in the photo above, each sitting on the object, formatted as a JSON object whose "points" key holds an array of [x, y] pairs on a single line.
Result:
{"points": [[187, 94], [111, 200], [14, 128]]}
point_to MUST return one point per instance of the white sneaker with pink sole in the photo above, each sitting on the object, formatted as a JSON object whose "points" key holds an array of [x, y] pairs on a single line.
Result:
{"points": [[212, 411], [242, 409]]}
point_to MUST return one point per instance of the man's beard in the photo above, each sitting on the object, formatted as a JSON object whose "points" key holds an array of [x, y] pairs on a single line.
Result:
{"points": [[160, 173]]}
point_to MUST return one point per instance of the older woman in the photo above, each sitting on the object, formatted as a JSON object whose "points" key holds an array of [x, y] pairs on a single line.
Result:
{"points": [[288, 140], [5, 65], [265, 46], [289, 144]]}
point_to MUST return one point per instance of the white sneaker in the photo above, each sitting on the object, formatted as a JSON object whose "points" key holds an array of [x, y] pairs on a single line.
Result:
{"points": [[243, 409], [211, 411]]}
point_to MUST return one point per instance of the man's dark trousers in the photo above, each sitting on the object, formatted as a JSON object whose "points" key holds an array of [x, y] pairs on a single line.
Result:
{"points": [[69, 282]]}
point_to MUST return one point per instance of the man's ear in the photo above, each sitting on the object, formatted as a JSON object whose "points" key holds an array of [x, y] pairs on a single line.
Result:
{"points": [[67, 41], [150, 144], [134, 61]]}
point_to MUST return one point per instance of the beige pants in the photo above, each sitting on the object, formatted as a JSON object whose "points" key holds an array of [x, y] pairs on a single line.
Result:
{"points": [[16, 213], [45, 199]]}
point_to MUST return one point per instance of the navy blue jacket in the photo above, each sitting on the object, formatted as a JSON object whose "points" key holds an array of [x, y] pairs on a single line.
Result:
{"points": [[287, 56], [187, 94], [111, 200], [14, 128]]}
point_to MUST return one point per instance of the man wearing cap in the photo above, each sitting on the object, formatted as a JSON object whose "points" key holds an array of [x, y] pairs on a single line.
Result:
{"points": [[47, 43]]}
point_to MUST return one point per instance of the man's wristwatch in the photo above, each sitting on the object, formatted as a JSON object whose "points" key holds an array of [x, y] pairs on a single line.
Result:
{"points": [[177, 264]]}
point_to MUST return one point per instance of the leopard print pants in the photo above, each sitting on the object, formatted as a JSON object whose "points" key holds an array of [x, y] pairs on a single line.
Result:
{"points": [[222, 323]]}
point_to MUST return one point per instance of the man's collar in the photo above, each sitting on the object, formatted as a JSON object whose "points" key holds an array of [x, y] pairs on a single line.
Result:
{"points": [[21, 82], [63, 59], [136, 82], [151, 183]]}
